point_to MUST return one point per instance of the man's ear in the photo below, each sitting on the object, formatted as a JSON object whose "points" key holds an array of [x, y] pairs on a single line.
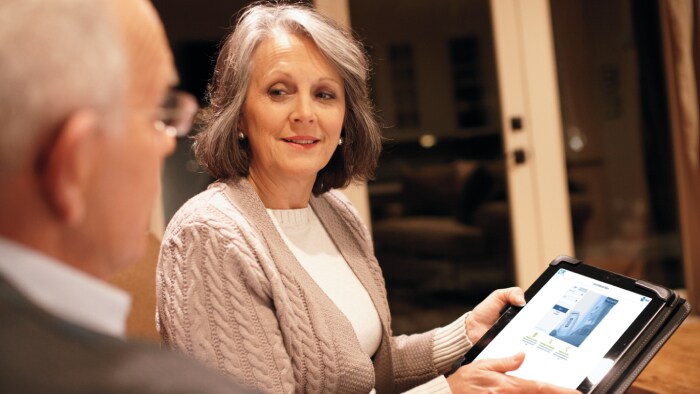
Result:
{"points": [[69, 164]]}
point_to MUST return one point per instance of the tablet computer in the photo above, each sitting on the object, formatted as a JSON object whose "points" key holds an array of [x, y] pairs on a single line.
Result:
{"points": [[584, 328]]}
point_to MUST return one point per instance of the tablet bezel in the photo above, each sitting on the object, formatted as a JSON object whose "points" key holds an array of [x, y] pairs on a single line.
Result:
{"points": [[659, 298]]}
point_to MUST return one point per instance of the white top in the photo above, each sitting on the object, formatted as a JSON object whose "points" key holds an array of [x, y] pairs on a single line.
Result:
{"points": [[65, 291], [309, 242]]}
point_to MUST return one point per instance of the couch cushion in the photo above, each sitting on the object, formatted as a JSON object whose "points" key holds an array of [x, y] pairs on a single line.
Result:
{"points": [[441, 237], [437, 189], [453, 189], [477, 186]]}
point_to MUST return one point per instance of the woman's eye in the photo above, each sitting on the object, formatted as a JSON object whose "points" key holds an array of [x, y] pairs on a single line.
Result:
{"points": [[277, 92], [325, 95]]}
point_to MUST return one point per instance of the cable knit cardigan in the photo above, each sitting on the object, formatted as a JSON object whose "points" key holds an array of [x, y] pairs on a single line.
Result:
{"points": [[231, 294]]}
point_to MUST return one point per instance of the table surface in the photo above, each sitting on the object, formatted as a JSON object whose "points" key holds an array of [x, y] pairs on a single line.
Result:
{"points": [[676, 367]]}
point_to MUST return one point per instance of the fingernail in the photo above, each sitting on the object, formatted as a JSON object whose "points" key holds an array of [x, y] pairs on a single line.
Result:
{"points": [[521, 301]]}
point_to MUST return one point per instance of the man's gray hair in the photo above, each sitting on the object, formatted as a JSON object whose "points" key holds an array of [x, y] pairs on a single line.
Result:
{"points": [[217, 147], [56, 57]]}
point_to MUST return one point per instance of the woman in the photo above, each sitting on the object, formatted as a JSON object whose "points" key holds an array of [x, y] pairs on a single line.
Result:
{"points": [[269, 275]]}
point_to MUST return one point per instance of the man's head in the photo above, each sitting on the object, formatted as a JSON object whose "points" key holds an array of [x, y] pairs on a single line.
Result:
{"points": [[82, 82]]}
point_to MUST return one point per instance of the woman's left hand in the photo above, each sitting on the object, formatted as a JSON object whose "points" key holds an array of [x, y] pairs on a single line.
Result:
{"points": [[487, 312]]}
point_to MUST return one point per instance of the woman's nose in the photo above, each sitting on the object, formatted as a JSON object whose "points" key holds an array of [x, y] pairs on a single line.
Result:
{"points": [[303, 110]]}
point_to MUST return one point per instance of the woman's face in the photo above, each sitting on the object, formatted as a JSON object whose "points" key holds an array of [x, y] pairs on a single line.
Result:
{"points": [[294, 110]]}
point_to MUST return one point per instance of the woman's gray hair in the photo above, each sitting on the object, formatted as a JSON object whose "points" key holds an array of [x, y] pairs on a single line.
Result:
{"points": [[217, 147], [55, 57]]}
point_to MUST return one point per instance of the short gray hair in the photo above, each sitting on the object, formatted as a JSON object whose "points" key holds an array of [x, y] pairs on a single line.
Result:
{"points": [[56, 57], [217, 147]]}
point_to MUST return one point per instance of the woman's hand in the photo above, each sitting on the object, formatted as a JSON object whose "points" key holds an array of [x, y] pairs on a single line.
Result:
{"points": [[488, 376], [487, 312]]}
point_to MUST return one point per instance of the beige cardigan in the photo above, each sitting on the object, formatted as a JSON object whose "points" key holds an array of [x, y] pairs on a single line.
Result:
{"points": [[231, 294]]}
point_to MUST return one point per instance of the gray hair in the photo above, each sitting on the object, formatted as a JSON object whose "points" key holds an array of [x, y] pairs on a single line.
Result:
{"points": [[217, 147], [56, 57]]}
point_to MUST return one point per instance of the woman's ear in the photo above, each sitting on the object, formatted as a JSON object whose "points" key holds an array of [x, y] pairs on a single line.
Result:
{"points": [[68, 166], [241, 130], [241, 124]]}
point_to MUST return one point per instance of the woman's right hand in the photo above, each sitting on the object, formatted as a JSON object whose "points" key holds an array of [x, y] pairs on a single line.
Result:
{"points": [[488, 376]]}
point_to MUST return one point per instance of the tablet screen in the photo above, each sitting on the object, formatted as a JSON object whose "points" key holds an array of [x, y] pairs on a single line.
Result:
{"points": [[567, 329]]}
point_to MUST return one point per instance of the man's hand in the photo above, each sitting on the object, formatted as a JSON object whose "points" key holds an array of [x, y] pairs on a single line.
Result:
{"points": [[488, 376], [486, 313]]}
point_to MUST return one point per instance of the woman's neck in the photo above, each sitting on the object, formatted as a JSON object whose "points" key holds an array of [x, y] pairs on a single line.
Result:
{"points": [[281, 194]]}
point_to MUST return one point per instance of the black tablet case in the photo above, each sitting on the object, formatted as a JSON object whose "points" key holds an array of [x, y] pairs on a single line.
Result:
{"points": [[633, 362]]}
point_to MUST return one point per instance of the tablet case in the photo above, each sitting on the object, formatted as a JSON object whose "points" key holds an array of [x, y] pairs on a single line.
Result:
{"points": [[633, 362]]}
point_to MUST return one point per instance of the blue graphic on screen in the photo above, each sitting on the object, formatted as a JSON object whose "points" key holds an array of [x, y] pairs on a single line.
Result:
{"points": [[583, 318]]}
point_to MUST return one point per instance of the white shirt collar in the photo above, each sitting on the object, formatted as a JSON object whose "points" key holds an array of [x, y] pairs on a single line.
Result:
{"points": [[65, 291]]}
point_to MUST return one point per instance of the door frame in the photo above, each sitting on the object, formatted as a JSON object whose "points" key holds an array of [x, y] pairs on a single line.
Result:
{"points": [[528, 90]]}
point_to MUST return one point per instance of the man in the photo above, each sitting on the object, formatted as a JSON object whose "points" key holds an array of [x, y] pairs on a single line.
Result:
{"points": [[81, 147]]}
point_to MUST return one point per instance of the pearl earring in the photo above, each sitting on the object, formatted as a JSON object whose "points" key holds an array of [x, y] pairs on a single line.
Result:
{"points": [[340, 141], [241, 136]]}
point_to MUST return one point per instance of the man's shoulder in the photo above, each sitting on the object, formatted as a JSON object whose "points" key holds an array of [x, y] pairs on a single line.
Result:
{"points": [[145, 368], [42, 353]]}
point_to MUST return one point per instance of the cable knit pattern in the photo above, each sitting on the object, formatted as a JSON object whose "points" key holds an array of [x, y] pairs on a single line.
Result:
{"points": [[230, 293]]}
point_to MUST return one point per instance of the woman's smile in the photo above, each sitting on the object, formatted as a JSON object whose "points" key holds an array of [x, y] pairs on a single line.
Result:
{"points": [[301, 141]]}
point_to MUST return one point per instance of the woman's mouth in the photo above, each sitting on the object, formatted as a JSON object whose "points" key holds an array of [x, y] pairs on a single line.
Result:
{"points": [[301, 140]]}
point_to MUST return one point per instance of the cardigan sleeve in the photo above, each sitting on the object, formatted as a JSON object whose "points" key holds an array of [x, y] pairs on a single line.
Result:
{"points": [[449, 344], [214, 305], [414, 364], [438, 385]]}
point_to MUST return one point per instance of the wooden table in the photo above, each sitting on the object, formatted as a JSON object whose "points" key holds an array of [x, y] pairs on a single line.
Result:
{"points": [[676, 368]]}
